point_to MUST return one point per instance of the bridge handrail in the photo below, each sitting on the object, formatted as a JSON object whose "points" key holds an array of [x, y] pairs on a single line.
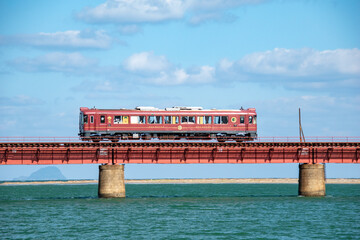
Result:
{"points": [[259, 139]]}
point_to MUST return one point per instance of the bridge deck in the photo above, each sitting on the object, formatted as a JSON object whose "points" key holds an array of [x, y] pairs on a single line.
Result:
{"points": [[25, 153]]}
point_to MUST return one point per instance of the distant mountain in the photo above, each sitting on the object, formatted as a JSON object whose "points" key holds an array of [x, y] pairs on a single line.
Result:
{"points": [[46, 173]]}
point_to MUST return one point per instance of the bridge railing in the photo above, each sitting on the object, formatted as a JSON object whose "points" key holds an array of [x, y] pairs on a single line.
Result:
{"points": [[40, 139], [309, 139], [258, 139]]}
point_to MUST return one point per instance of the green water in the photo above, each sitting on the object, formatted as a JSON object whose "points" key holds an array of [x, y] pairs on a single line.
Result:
{"points": [[189, 211]]}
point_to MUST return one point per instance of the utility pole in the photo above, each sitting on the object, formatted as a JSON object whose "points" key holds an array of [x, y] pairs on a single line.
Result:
{"points": [[301, 133]]}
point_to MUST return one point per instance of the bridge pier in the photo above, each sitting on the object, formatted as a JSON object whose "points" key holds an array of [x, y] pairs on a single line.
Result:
{"points": [[312, 180], [111, 181]]}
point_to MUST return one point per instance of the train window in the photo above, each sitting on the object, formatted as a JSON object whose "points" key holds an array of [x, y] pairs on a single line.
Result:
{"points": [[102, 119], [85, 119], [137, 119], [255, 119], [242, 119], [125, 119], [171, 119], [121, 119], [204, 120], [167, 120], [184, 119], [155, 120], [175, 119], [221, 119], [224, 120], [207, 120], [134, 119], [250, 119], [118, 119], [188, 119], [91, 119], [141, 119]]}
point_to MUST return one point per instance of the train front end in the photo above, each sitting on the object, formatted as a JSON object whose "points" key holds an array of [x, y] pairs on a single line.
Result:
{"points": [[83, 118]]}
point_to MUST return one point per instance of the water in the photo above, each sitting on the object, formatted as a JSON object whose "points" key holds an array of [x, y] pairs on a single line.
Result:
{"points": [[179, 211]]}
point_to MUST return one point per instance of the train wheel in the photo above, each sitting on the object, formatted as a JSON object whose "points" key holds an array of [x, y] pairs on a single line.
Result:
{"points": [[114, 139], [163, 137], [146, 137], [96, 139], [85, 139]]}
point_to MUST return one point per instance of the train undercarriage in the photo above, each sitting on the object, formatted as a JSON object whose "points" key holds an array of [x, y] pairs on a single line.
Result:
{"points": [[220, 137]]}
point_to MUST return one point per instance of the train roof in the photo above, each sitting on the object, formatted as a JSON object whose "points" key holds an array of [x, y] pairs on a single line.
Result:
{"points": [[170, 109]]}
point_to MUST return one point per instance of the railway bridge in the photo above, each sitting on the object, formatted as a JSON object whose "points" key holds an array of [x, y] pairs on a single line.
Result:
{"points": [[311, 156]]}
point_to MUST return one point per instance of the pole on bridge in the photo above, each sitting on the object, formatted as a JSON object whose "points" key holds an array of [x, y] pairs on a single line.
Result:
{"points": [[111, 181], [301, 132]]}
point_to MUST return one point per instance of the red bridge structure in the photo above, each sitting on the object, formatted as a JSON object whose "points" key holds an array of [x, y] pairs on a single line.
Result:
{"points": [[311, 156]]}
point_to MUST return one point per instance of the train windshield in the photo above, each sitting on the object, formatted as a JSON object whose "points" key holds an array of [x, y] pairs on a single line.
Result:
{"points": [[252, 119]]}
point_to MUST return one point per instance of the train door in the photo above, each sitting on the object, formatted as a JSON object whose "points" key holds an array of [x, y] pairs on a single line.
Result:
{"points": [[102, 123], [92, 125], [82, 122], [243, 124], [91, 122], [252, 122]]}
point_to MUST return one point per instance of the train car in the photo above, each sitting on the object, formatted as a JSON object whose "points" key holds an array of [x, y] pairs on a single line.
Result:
{"points": [[170, 123]]}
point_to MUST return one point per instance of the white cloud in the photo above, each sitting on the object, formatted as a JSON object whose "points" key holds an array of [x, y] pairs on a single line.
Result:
{"points": [[134, 11], [179, 76], [302, 62], [150, 68], [204, 74], [55, 62], [146, 62], [68, 39], [292, 68], [201, 75], [217, 4], [203, 17], [295, 68], [150, 11], [225, 64]]}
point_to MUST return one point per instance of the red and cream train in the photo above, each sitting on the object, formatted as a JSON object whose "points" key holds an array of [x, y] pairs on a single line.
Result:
{"points": [[169, 123]]}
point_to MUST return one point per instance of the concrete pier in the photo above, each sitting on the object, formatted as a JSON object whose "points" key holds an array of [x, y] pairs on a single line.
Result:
{"points": [[312, 180], [111, 181]]}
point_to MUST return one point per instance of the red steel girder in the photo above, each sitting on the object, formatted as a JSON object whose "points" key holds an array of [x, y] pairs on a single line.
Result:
{"points": [[177, 152]]}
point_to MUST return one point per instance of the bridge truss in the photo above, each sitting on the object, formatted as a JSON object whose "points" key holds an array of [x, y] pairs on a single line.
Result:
{"points": [[47, 153]]}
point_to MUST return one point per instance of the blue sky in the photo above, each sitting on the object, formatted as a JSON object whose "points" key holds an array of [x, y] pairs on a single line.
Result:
{"points": [[276, 56]]}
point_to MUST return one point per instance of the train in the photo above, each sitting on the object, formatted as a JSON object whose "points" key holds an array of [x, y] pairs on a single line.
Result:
{"points": [[173, 123]]}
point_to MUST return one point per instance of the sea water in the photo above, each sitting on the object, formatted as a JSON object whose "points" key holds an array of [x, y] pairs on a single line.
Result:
{"points": [[179, 211]]}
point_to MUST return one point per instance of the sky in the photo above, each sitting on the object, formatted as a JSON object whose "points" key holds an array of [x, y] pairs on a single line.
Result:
{"points": [[276, 56]]}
